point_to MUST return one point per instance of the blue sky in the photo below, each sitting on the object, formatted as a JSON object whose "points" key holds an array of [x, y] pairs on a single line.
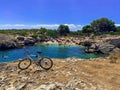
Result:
{"points": [[51, 13]]}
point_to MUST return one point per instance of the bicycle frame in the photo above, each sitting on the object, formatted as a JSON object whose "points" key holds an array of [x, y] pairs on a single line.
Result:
{"points": [[29, 57]]}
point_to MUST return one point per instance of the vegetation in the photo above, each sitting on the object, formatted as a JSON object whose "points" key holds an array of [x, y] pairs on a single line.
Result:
{"points": [[63, 30], [96, 27], [100, 26], [103, 25], [87, 30]]}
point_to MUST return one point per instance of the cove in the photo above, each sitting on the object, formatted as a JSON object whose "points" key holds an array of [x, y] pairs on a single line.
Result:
{"points": [[52, 51]]}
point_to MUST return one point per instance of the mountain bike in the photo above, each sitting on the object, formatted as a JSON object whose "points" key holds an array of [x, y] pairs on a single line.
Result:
{"points": [[45, 62]]}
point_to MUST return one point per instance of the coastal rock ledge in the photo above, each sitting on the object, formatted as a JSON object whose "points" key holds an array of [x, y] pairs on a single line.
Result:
{"points": [[105, 47], [18, 42], [66, 74]]}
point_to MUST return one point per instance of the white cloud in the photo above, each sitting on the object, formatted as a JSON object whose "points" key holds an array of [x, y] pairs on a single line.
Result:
{"points": [[45, 25], [117, 24], [73, 27], [19, 25]]}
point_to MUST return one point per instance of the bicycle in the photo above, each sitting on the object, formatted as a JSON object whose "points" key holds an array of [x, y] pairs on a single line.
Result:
{"points": [[45, 62]]}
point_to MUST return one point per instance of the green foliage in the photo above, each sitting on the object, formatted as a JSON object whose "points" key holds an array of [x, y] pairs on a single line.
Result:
{"points": [[80, 33], [52, 33], [87, 29], [103, 25], [73, 33], [42, 31], [34, 36], [63, 30], [99, 26], [77, 33], [22, 33], [118, 29]]}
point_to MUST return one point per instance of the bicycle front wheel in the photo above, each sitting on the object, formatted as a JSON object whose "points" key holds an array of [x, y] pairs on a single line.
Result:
{"points": [[24, 64], [46, 63]]}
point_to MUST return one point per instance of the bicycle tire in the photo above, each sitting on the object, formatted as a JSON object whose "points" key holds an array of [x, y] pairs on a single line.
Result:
{"points": [[23, 61], [44, 63]]}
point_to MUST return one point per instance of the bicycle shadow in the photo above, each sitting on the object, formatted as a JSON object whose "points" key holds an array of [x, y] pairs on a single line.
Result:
{"points": [[36, 71], [41, 71]]}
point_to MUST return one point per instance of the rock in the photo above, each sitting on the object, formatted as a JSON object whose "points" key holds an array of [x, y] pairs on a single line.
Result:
{"points": [[9, 87], [21, 38], [87, 44], [106, 48], [38, 39], [72, 59], [115, 42], [116, 50], [90, 47], [29, 41], [21, 87], [2, 67], [7, 45], [11, 68], [91, 50], [75, 84], [81, 43], [52, 86], [41, 87], [19, 42]]}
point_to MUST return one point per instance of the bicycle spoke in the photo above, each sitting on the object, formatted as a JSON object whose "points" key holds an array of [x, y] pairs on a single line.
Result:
{"points": [[46, 63], [24, 64]]}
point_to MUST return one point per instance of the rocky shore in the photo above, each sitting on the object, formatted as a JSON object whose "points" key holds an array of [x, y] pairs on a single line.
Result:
{"points": [[99, 44], [11, 42], [104, 45], [66, 74]]}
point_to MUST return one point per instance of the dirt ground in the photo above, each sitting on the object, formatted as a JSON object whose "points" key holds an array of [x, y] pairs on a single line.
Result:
{"points": [[87, 74]]}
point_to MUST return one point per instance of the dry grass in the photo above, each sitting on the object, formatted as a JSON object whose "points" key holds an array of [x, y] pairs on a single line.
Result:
{"points": [[97, 72], [114, 57]]}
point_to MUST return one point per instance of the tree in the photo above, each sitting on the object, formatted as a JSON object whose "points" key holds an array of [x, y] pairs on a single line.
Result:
{"points": [[118, 29], [80, 33], [103, 25], [63, 30], [52, 33], [42, 30], [87, 29]]}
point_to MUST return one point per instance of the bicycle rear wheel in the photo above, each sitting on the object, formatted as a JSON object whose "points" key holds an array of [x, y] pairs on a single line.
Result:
{"points": [[46, 63], [24, 64]]}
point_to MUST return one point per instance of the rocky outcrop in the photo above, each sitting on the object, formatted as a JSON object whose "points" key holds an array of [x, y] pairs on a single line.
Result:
{"points": [[104, 47], [21, 38], [18, 42], [8, 45], [29, 41], [115, 42]]}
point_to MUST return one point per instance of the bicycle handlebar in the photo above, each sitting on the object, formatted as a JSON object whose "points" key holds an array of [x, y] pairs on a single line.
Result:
{"points": [[26, 52]]}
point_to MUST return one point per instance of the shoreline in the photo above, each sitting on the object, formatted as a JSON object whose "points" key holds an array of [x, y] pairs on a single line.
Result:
{"points": [[68, 41], [64, 59]]}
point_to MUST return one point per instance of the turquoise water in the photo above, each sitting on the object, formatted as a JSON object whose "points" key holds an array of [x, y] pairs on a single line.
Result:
{"points": [[52, 51]]}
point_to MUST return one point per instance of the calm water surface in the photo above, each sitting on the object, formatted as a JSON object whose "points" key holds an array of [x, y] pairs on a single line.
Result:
{"points": [[52, 51]]}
